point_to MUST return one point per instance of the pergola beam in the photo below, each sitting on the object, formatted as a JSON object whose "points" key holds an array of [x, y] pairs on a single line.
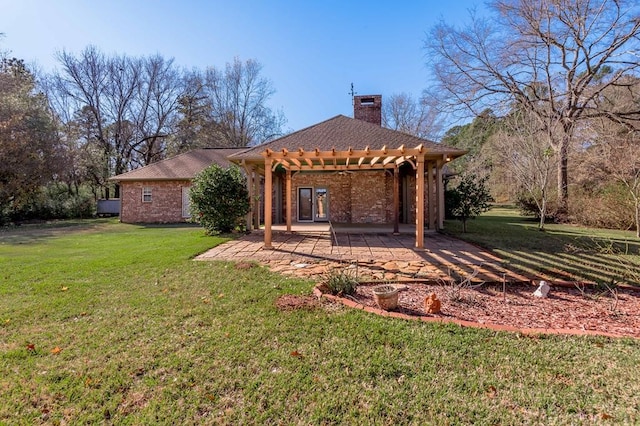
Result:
{"points": [[341, 167], [351, 153]]}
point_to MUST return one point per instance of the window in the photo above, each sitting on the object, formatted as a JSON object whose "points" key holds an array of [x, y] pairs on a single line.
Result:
{"points": [[146, 195], [186, 202]]}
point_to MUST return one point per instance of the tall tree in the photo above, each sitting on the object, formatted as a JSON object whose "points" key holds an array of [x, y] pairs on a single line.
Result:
{"points": [[613, 148], [551, 57], [156, 108], [238, 96], [195, 126], [472, 137], [128, 106], [29, 147], [403, 113]]}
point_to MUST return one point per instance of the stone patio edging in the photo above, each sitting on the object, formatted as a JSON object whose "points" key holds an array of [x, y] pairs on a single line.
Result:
{"points": [[462, 323]]}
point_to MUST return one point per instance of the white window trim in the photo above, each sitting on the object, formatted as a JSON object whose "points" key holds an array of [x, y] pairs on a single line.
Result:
{"points": [[147, 191], [186, 202]]}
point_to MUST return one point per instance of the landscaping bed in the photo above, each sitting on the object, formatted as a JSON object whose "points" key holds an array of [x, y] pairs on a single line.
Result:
{"points": [[568, 307]]}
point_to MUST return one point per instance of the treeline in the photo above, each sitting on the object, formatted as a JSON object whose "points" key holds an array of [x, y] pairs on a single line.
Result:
{"points": [[555, 91], [64, 134], [520, 165]]}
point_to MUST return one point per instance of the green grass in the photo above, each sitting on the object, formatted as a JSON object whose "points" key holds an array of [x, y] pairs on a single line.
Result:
{"points": [[563, 252], [148, 336]]}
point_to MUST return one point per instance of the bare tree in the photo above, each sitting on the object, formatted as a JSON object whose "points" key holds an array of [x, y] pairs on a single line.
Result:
{"points": [[125, 107], [156, 108], [403, 113], [551, 57], [523, 147], [238, 97]]}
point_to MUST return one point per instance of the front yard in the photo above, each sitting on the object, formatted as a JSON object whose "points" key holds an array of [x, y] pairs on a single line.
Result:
{"points": [[105, 322]]}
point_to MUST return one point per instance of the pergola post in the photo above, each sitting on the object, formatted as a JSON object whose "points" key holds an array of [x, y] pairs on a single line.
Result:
{"points": [[440, 194], [256, 199], [249, 171], [396, 201], [288, 198], [420, 202], [268, 189], [431, 216]]}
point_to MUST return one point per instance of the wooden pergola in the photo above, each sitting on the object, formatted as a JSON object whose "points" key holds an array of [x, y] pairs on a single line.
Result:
{"points": [[420, 158]]}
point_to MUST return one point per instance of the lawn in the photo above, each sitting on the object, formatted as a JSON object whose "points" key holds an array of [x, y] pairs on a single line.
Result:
{"points": [[102, 322], [562, 252]]}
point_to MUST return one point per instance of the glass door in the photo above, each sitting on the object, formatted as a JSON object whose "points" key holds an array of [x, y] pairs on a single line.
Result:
{"points": [[305, 204], [322, 205]]}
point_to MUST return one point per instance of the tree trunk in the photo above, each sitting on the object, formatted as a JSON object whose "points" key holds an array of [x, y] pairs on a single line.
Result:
{"points": [[543, 212], [563, 180], [464, 226], [638, 218]]}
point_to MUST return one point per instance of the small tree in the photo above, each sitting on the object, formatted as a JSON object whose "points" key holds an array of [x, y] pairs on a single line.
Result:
{"points": [[525, 150], [470, 198], [219, 198]]}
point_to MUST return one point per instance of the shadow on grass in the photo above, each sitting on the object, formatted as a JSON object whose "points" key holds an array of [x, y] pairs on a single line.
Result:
{"points": [[36, 233], [562, 252]]}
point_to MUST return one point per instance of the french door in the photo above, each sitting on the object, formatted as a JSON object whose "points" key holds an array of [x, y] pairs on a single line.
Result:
{"points": [[313, 204]]}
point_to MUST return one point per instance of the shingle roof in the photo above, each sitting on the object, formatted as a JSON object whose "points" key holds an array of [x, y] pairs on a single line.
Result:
{"points": [[342, 133], [181, 167]]}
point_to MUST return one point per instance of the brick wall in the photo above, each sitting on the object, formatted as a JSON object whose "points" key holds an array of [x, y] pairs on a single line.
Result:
{"points": [[165, 205], [411, 201], [372, 197], [339, 187], [360, 197], [368, 108]]}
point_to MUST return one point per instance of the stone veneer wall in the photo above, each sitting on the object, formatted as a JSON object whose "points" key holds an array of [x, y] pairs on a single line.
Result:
{"points": [[165, 205]]}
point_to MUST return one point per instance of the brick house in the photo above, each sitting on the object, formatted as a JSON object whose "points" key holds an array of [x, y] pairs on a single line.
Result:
{"points": [[159, 192], [349, 170]]}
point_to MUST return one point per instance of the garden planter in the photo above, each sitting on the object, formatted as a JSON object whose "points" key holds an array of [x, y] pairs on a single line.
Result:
{"points": [[386, 296]]}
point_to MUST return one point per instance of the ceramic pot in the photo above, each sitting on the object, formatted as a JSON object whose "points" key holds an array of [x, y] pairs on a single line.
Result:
{"points": [[386, 296]]}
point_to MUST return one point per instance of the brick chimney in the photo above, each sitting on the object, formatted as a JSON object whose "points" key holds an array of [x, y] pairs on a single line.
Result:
{"points": [[368, 108]]}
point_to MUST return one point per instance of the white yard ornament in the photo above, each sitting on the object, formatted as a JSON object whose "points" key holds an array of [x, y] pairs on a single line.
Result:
{"points": [[543, 290]]}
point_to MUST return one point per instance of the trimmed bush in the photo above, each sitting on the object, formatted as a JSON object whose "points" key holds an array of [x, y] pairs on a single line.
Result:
{"points": [[219, 199]]}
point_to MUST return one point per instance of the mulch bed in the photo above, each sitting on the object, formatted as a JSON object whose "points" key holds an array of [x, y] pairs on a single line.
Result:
{"points": [[567, 307], [291, 302]]}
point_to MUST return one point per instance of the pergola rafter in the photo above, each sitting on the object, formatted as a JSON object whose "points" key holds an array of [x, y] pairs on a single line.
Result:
{"points": [[351, 159]]}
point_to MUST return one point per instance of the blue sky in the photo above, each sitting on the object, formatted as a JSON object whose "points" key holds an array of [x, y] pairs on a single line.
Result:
{"points": [[311, 50]]}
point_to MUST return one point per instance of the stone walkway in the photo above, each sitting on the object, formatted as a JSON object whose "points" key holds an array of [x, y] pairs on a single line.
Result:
{"points": [[377, 256]]}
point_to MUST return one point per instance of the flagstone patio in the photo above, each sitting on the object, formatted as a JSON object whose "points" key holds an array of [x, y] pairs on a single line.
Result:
{"points": [[311, 252]]}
